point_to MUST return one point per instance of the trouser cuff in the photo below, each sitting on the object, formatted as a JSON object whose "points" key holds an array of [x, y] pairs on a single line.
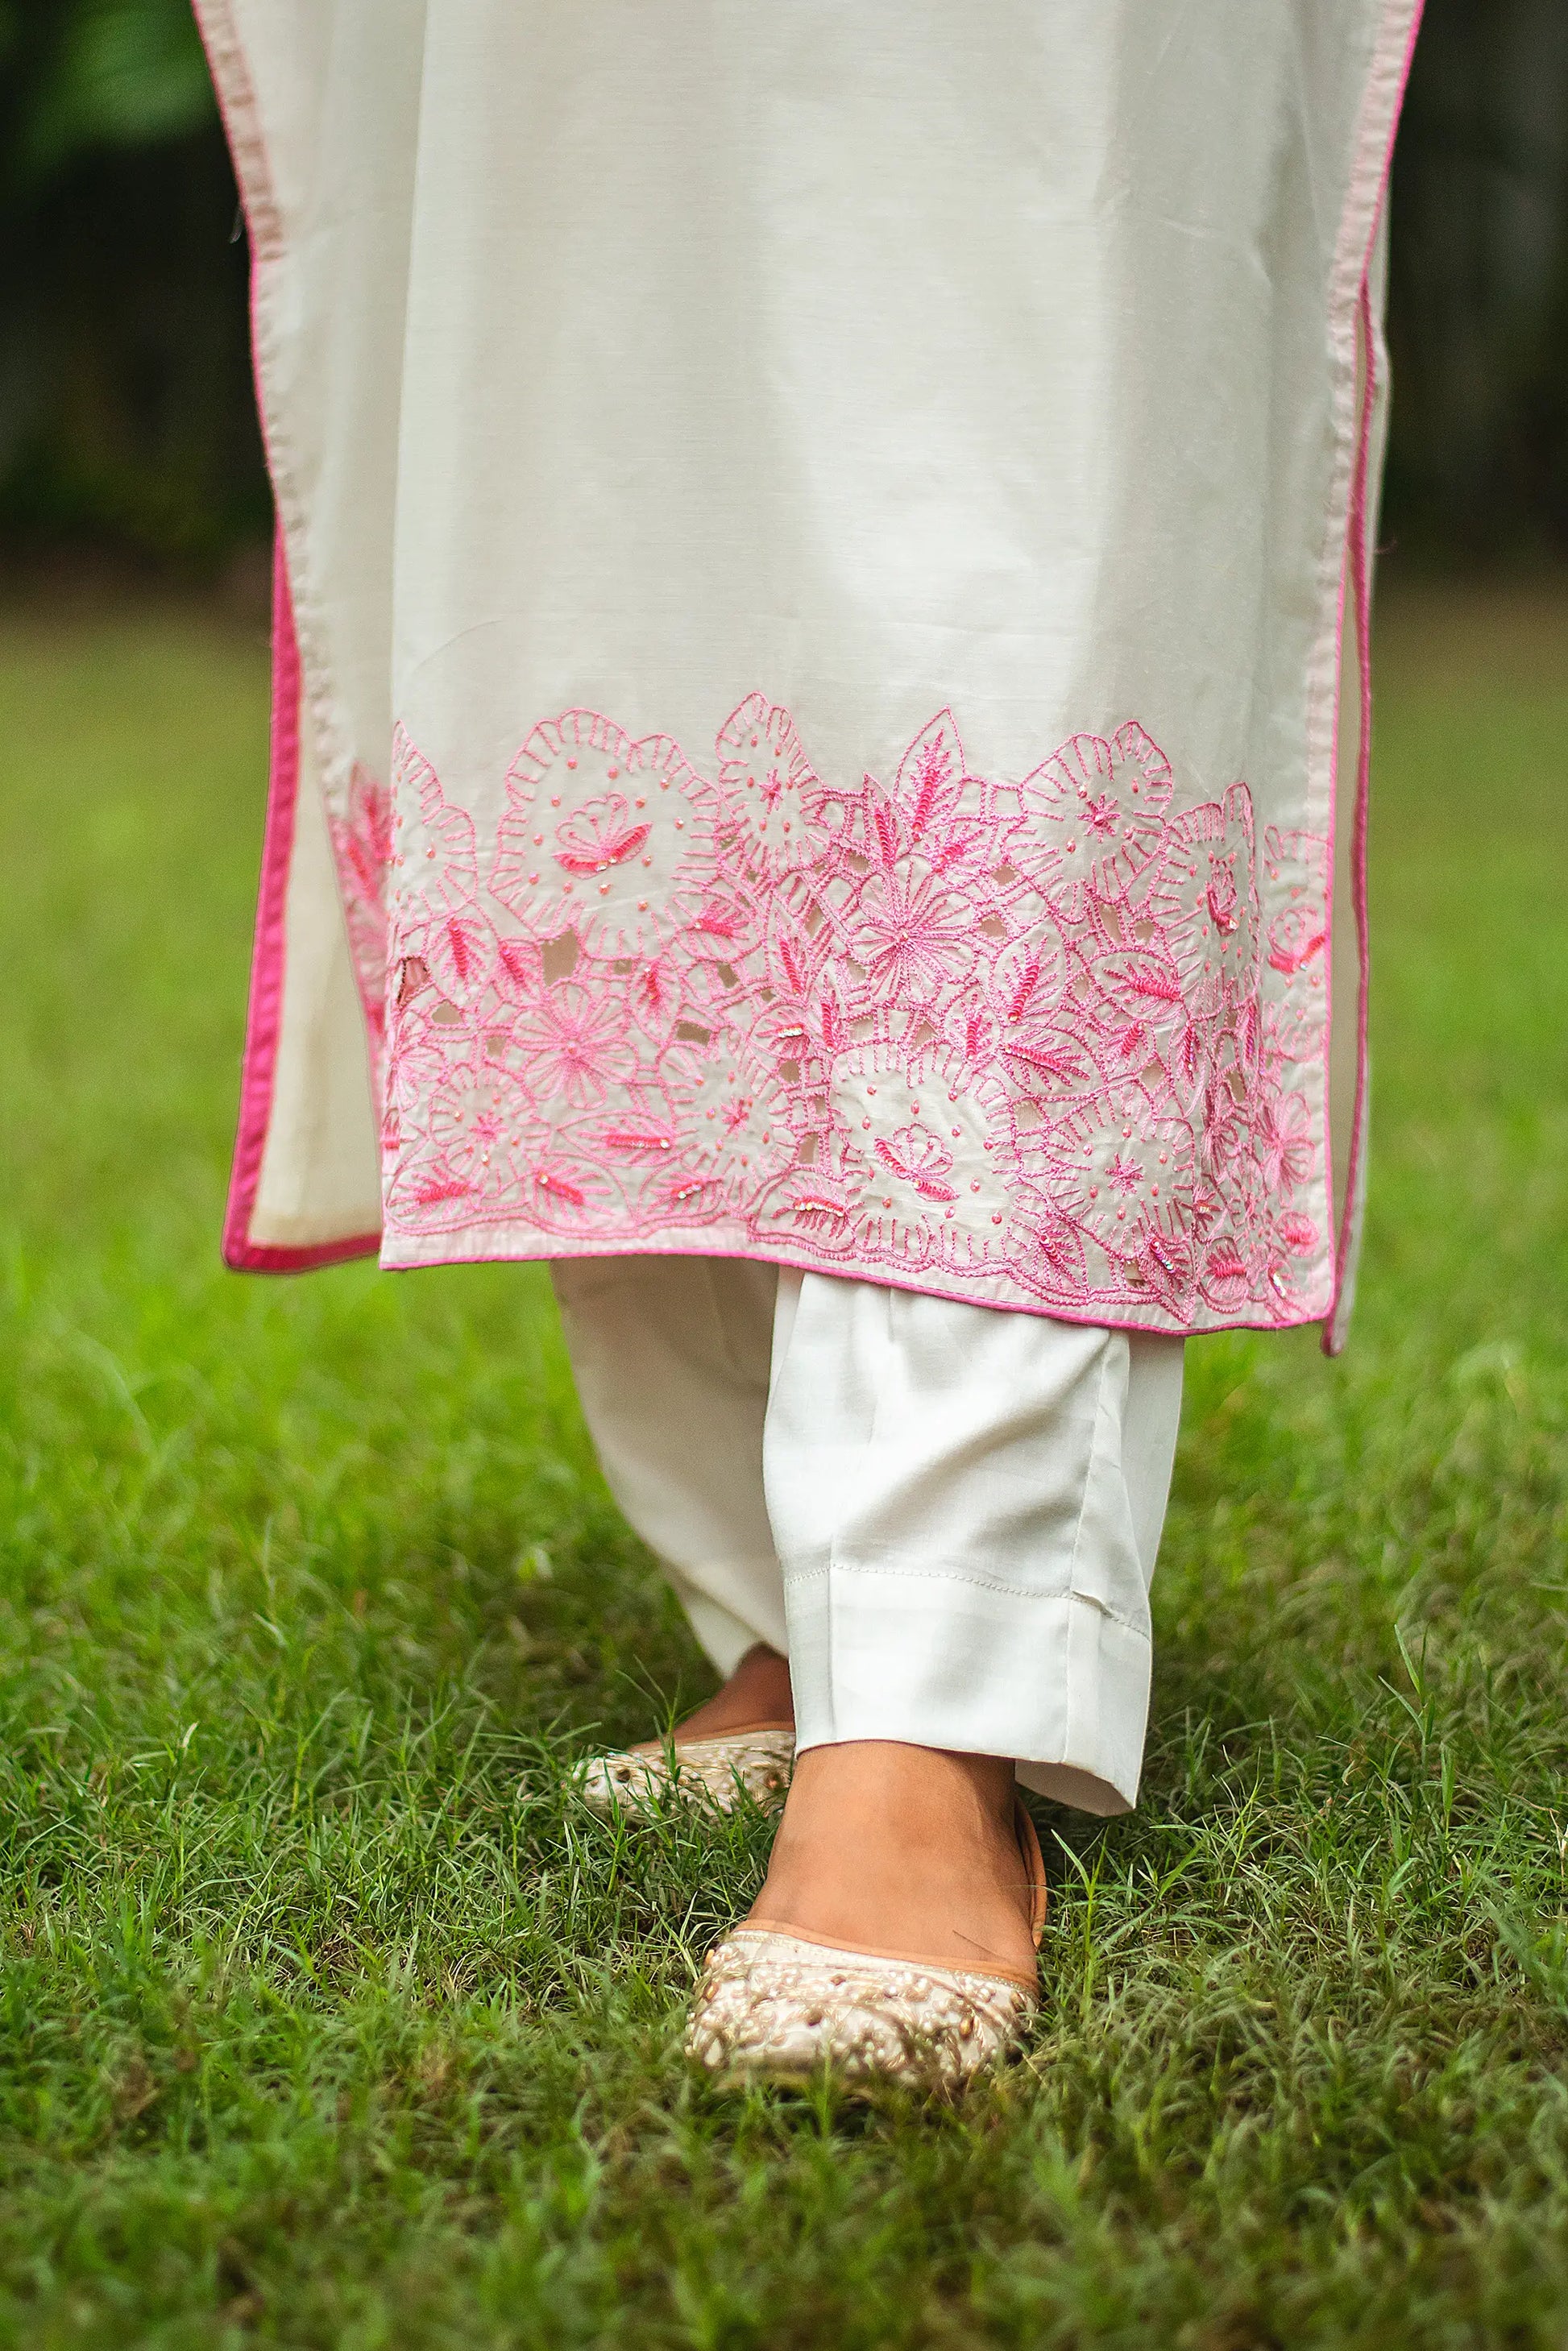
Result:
{"points": [[724, 1632], [1053, 1680]]}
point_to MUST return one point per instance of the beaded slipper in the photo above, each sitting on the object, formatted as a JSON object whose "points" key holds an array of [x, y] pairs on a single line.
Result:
{"points": [[754, 1761], [776, 2006]]}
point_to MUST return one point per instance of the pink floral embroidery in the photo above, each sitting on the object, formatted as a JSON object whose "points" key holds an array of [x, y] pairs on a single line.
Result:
{"points": [[569, 1043], [1029, 1043], [362, 847], [1205, 902], [1099, 816], [774, 791], [623, 865]]}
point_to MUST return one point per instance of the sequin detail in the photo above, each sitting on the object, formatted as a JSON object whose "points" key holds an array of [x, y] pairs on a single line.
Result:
{"points": [[771, 2007], [719, 1770]]}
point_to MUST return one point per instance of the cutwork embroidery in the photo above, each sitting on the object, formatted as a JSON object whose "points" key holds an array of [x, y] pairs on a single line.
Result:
{"points": [[1026, 1043]]}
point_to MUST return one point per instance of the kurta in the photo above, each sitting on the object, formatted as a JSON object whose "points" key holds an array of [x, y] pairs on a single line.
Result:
{"points": [[820, 685]]}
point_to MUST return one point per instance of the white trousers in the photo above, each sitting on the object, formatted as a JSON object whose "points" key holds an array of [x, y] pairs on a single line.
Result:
{"points": [[945, 1515]]}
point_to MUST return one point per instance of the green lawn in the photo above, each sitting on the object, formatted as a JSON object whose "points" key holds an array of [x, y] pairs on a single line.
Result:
{"points": [[329, 2019]]}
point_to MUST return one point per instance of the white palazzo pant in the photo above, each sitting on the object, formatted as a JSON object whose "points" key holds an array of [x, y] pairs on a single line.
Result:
{"points": [[945, 1516]]}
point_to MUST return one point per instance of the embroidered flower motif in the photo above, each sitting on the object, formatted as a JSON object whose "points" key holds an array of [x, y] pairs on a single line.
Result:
{"points": [[1296, 935], [363, 839], [1226, 1280], [1048, 1256], [1021, 1044], [815, 1209], [910, 937], [903, 1133], [1206, 901], [1050, 1066], [1132, 1000], [461, 951], [940, 804], [415, 1075], [1097, 812], [733, 1127], [1297, 1233], [1124, 1177], [1227, 1135], [915, 1155], [572, 1043], [433, 917], [1295, 865], [435, 864], [1028, 976], [651, 988], [722, 929], [474, 1117], [1164, 1268], [774, 799], [565, 1193], [1285, 1147], [972, 1030], [638, 1140], [603, 837]]}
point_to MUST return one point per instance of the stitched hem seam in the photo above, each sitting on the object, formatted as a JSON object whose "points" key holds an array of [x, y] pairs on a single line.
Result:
{"points": [[796, 1578]]}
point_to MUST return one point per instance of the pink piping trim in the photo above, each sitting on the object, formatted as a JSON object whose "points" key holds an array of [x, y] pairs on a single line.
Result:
{"points": [[1356, 575], [1359, 567], [264, 1016]]}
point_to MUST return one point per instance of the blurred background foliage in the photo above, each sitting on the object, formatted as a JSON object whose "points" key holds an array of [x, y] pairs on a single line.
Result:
{"points": [[125, 405], [125, 414]]}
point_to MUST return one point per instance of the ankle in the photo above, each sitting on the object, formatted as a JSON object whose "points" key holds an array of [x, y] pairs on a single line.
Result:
{"points": [[758, 1691], [890, 1847], [916, 1790], [761, 1680], [887, 1815]]}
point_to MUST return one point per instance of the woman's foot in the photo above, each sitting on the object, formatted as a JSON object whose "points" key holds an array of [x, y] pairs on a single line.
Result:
{"points": [[905, 1850], [741, 1743], [894, 1940], [756, 1692]]}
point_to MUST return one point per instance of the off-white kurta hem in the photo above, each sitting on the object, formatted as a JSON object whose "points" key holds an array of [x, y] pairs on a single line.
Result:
{"points": [[822, 554]]}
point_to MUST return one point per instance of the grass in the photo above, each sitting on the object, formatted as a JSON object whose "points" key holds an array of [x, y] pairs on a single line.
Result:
{"points": [[327, 2019]]}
